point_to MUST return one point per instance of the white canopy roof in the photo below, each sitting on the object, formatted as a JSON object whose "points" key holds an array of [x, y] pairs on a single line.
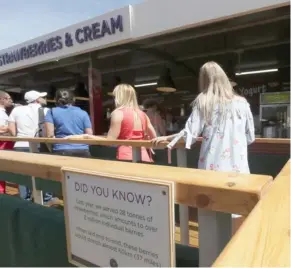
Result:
{"points": [[131, 23]]}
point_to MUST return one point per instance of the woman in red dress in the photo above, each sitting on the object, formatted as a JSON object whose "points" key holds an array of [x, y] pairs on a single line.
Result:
{"points": [[128, 122]]}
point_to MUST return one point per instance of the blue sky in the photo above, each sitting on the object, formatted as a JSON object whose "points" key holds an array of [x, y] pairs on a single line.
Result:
{"points": [[22, 20]]}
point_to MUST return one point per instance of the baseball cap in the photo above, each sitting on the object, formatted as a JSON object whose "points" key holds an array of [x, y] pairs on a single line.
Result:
{"points": [[33, 95]]}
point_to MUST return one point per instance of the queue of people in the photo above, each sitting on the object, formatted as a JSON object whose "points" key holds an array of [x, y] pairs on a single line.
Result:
{"points": [[35, 120], [128, 122], [222, 117]]}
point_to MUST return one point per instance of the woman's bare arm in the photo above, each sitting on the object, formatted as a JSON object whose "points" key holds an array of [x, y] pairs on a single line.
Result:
{"points": [[12, 128], [115, 125], [49, 130]]}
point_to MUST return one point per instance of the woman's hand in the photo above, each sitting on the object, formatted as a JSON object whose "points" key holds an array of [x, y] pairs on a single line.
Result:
{"points": [[85, 136], [71, 137], [158, 140]]}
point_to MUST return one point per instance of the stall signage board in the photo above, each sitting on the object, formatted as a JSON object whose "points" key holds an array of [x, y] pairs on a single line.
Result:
{"points": [[116, 221], [276, 98], [103, 31]]}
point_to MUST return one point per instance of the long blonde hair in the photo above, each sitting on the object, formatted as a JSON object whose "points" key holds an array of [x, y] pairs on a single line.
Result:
{"points": [[125, 96], [215, 90]]}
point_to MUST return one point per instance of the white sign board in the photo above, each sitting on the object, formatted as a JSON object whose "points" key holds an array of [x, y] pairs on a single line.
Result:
{"points": [[118, 221], [107, 30]]}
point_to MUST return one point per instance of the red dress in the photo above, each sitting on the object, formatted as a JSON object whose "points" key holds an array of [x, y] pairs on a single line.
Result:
{"points": [[5, 145], [128, 133]]}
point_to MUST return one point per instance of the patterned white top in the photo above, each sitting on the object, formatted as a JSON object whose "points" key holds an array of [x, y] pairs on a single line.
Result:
{"points": [[225, 140]]}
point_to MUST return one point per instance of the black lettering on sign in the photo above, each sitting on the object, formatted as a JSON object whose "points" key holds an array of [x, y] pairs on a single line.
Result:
{"points": [[81, 187], [87, 34], [105, 28], [79, 36], [116, 24], [100, 191], [130, 197], [96, 30]]}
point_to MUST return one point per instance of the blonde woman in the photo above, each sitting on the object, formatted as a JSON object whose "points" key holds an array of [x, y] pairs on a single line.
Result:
{"points": [[128, 122], [225, 121]]}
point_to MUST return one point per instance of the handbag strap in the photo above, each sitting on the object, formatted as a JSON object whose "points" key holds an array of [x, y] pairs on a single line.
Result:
{"points": [[41, 121], [38, 132]]}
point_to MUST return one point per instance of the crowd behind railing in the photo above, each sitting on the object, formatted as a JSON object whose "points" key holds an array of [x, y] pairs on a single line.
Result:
{"points": [[219, 115]]}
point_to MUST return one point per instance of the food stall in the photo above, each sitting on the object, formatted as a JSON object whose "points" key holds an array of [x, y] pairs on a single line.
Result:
{"points": [[275, 114], [250, 40]]}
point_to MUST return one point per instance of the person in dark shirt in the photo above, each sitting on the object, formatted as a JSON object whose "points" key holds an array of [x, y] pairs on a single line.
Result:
{"points": [[65, 120]]}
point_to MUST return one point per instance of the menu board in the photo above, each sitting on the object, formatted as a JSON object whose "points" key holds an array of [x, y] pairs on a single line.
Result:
{"points": [[276, 98]]}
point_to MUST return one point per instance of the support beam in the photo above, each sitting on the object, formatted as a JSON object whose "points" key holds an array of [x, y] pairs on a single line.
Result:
{"points": [[37, 195], [214, 229], [183, 209]]}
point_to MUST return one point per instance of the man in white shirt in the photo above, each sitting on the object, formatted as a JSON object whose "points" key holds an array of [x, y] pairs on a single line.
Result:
{"points": [[24, 122], [5, 102]]}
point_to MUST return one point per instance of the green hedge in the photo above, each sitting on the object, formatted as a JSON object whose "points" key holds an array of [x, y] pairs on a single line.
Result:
{"points": [[33, 235]]}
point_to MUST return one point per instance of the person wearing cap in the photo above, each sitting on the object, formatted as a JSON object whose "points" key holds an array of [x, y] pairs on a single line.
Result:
{"points": [[24, 122]]}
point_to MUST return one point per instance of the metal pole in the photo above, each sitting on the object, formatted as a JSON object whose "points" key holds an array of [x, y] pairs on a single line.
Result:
{"points": [[37, 195], [136, 154], [183, 209], [215, 229]]}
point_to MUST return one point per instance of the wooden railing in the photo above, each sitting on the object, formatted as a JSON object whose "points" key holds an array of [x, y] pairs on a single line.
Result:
{"points": [[217, 195], [111, 142], [264, 238], [197, 188]]}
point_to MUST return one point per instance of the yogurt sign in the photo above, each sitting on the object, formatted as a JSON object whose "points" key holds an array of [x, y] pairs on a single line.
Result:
{"points": [[249, 92]]}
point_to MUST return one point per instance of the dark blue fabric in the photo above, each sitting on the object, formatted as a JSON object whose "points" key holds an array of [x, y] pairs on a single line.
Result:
{"points": [[68, 120]]}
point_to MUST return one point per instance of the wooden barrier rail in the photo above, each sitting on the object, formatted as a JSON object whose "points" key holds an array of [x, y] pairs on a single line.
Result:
{"points": [[224, 192], [264, 238], [215, 194], [111, 142]]}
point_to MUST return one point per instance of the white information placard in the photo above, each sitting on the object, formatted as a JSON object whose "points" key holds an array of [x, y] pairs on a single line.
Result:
{"points": [[116, 221]]}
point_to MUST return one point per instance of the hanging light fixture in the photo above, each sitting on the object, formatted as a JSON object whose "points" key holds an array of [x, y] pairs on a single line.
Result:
{"points": [[233, 74], [165, 82], [182, 111]]}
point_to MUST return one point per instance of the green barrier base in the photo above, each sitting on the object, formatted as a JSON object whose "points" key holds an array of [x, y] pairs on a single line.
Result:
{"points": [[16, 178], [260, 163], [33, 235]]}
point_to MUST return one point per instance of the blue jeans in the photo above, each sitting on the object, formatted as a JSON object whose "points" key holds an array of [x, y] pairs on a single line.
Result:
{"points": [[24, 191]]}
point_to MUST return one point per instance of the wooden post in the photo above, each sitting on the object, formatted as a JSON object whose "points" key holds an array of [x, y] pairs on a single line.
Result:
{"points": [[214, 230], [37, 195], [95, 95], [183, 209]]}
